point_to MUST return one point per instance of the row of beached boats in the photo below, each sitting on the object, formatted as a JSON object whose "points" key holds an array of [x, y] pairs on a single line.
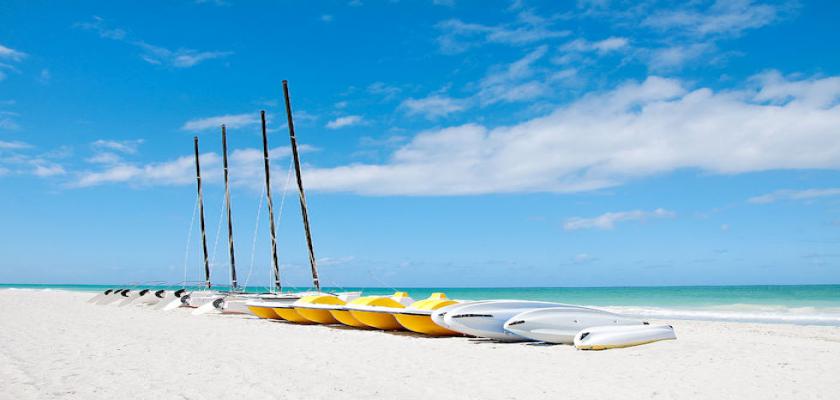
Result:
{"points": [[501, 320], [437, 315]]}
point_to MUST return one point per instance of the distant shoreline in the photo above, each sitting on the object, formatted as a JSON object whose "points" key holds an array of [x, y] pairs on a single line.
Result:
{"points": [[817, 305]]}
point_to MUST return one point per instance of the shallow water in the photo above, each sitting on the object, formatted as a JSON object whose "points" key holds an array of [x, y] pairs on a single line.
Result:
{"points": [[795, 304]]}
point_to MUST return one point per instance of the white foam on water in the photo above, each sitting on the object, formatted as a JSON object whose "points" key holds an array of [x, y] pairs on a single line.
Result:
{"points": [[740, 313]]}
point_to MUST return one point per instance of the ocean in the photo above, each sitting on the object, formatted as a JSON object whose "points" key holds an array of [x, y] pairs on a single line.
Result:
{"points": [[794, 304]]}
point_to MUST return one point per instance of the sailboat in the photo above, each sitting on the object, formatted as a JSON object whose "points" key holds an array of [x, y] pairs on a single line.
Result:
{"points": [[214, 302], [279, 305], [196, 299]]}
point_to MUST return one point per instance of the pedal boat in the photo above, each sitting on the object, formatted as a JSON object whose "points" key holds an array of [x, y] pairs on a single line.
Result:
{"points": [[378, 311], [418, 316], [319, 308]]}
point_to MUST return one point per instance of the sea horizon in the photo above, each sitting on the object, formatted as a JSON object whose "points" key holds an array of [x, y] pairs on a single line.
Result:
{"points": [[817, 304]]}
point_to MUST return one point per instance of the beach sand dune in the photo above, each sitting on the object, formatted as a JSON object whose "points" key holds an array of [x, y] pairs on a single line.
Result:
{"points": [[54, 345]]}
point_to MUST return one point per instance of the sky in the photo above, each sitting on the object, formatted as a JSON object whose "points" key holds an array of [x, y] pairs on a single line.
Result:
{"points": [[444, 143]]}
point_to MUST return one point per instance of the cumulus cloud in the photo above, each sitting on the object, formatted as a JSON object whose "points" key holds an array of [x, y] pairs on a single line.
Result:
{"points": [[635, 130], [609, 220], [345, 121], [246, 168], [788, 194]]}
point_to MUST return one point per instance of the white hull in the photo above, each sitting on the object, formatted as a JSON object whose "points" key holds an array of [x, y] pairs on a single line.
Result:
{"points": [[132, 296], [198, 299], [101, 295], [561, 324], [153, 297], [611, 337], [487, 319], [113, 297], [439, 314], [170, 301]]}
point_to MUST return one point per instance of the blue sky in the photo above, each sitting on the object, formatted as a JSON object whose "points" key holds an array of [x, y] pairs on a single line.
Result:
{"points": [[445, 143]]}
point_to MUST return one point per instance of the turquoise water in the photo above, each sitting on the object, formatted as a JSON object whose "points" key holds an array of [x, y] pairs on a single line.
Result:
{"points": [[803, 304]]}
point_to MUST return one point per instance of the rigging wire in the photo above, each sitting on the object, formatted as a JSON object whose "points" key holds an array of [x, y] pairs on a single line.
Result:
{"points": [[216, 240], [283, 202], [254, 239], [189, 239]]}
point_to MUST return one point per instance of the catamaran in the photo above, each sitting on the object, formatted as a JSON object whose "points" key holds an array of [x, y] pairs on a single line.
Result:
{"points": [[279, 305]]}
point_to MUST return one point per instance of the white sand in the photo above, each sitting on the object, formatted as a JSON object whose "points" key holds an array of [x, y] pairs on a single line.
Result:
{"points": [[54, 345]]}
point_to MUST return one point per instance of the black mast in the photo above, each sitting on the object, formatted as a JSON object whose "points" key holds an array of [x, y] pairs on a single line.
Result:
{"points": [[277, 285], [233, 284], [201, 209], [301, 195]]}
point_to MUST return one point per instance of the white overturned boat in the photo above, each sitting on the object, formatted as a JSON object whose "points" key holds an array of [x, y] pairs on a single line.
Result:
{"points": [[114, 296], [170, 300], [487, 319], [561, 324], [101, 295], [618, 336]]}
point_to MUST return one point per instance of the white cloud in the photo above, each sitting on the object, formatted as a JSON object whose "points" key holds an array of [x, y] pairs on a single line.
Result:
{"points": [[787, 194], [677, 56], [152, 54], [602, 140], [723, 18], [512, 83], [434, 106], [8, 53], [458, 36], [345, 121], [607, 45], [45, 170], [180, 58], [246, 168], [98, 25], [122, 146], [13, 145], [327, 18], [232, 121], [448, 3], [386, 91], [610, 219], [15, 158], [636, 130]]}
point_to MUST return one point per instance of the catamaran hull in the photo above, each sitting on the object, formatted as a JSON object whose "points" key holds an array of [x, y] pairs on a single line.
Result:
{"points": [[235, 306]]}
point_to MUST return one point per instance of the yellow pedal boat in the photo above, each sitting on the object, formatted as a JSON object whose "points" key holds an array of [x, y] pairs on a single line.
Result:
{"points": [[263, 306], [319, 308], [378, 311], [418, 316]]}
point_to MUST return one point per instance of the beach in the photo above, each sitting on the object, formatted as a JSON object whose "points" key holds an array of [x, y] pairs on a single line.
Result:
{"points": [[55, 345]]}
